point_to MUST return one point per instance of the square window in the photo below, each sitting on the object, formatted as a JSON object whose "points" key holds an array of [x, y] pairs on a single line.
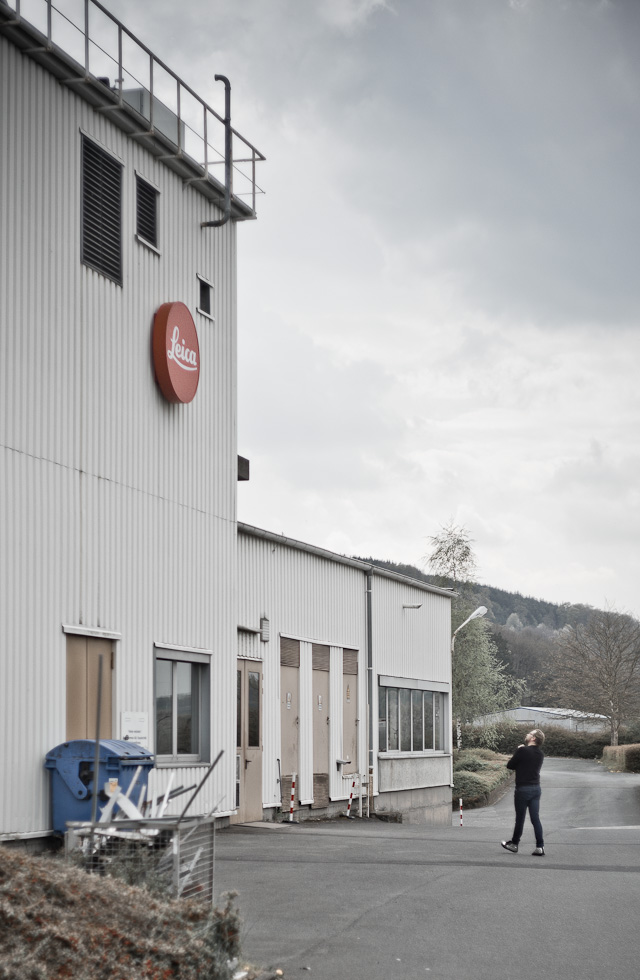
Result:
{"points": [[205, 297], [181, 707]]}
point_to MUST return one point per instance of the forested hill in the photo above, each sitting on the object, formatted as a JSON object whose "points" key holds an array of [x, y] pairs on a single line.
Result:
{"points": [[502, 605]]}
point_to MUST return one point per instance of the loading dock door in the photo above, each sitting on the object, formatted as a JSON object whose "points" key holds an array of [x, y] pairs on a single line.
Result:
{"points": [[289, 717], [83, 664], [350, 710], [320, 709], [249, 742]]}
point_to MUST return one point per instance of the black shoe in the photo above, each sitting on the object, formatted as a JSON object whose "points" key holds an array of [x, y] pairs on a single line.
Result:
{"points": [[539, 852], [509, 846]]}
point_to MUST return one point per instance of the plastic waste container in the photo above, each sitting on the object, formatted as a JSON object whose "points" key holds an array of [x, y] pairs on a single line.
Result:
{"points": [[71, 766]]}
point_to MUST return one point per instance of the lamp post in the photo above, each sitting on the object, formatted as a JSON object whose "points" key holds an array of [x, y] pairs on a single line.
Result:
{"points": [[480, 611]]}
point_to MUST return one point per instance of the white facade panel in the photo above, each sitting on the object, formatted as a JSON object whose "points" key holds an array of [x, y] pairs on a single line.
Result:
{"points": [[314, 597], [119, 508], [411, 642], [314, 600]]}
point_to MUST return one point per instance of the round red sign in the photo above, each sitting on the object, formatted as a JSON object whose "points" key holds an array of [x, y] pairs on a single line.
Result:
{"points": [[176, 353]]}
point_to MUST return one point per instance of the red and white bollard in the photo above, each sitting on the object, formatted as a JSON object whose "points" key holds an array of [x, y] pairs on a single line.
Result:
{"points": [[350, 799], [460, 811], [293, 793]]}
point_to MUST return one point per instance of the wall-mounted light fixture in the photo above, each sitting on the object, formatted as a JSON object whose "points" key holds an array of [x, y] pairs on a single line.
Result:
{"points": [[412, 605]]}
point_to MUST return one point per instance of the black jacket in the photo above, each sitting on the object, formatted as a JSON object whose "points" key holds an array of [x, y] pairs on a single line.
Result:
{"points": [[527, 761]]}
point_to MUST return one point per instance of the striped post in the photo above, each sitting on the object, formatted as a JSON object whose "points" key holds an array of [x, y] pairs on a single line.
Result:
{"points": [[461, 811], [293, 792], [351, 797]]}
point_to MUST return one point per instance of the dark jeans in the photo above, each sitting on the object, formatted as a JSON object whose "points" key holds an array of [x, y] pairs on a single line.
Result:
{"points": [[527, 798]]}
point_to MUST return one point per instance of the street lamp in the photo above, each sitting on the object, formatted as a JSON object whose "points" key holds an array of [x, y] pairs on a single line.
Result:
{"points": [[480, 611]]}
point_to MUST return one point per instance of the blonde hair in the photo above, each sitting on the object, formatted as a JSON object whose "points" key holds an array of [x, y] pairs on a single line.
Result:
{"points": [[538, 735]]}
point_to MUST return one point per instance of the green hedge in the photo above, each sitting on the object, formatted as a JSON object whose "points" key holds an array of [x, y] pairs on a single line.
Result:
{"points": [[622, 758], [478, 775], [505, 737]]}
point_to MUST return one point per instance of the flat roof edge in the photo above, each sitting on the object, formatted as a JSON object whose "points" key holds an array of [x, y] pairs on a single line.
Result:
{"points": [[364, 566]]}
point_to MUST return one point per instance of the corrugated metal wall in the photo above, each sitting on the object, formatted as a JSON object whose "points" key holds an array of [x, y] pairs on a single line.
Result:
{"points": [[411, 643], [318, 600], [118, 508]]}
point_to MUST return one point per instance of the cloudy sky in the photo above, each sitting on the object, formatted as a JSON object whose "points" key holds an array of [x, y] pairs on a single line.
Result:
{"points": [[439, 303]]}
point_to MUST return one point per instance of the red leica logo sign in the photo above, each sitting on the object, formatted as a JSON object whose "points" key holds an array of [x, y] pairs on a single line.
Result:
{"points": [[176, 354]]}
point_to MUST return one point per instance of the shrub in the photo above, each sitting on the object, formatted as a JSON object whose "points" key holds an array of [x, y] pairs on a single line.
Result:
{"points": [[632, 758], [558, 741], [622, 758], [471, 786], [58, 921], [478, 773]]}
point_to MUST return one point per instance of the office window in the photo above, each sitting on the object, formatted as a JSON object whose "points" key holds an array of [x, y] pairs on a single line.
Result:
{"points": [[101, 211], [410, 720], [182, 707], [146, 212]]}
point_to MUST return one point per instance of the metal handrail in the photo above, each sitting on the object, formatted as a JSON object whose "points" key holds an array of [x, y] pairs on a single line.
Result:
{"points": [[156, 64]]}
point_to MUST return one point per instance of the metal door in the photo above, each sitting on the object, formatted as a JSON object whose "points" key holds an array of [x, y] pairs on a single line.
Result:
{"points": [[350, 710], [320, 709], [249, 742], [289, 717], [83, 665]]}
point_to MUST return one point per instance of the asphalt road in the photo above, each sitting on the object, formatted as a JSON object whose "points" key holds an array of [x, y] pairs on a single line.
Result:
{"points": [[366, 899]]}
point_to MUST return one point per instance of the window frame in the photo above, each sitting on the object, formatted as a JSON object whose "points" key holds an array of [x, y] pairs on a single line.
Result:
{"points": [[203, 281], [393, 721], [202, 663]]}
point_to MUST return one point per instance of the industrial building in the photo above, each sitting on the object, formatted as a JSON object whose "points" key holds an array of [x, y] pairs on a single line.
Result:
{"points": [[124, 572]]}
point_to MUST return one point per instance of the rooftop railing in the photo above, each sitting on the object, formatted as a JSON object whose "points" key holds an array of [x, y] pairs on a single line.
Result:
{"points": [[136, 84]]}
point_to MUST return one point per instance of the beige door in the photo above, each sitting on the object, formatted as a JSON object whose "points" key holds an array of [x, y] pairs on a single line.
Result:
{"points": [[83, 666], [249, 742], [289, 717], [320, 709], [350, 710]]}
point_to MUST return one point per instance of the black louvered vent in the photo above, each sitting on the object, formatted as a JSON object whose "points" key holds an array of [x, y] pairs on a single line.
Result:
{"points": [[101, 211], [349, 661], [320, 656], [146, 212], [289, 652]]}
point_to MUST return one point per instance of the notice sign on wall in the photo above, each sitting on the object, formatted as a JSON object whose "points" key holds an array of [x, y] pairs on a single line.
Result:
{"points": [[176, 352], [134, 727]]}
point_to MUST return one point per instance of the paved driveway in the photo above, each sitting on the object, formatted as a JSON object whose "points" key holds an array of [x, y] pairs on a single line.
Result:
{"points": [[366, 899]]}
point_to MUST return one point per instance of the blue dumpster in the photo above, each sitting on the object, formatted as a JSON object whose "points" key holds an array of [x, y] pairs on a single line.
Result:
{"points": [[71, 766]]}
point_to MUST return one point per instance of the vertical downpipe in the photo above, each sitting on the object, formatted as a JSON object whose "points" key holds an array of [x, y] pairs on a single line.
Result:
{"points": [[227, 156], [370, 687]]}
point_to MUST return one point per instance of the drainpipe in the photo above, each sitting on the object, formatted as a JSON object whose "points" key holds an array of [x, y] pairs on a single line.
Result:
{"points": [[370, 687], [227, 156]]}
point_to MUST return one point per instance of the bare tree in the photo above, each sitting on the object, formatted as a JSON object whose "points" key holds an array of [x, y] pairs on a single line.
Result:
{"points": [[596, 667], [452, 553]]}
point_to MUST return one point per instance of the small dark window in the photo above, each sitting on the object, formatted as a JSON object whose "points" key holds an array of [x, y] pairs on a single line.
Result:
{"points": [[204, 304], [101, 210], [146, 212]]}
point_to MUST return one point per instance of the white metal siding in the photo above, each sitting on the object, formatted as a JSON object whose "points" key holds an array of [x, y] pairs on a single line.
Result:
{"points": [[118, 508], [316, 601], [411, 643]]}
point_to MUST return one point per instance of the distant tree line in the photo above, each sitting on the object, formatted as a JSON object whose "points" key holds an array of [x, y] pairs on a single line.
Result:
{"points": [[529, 651]]}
